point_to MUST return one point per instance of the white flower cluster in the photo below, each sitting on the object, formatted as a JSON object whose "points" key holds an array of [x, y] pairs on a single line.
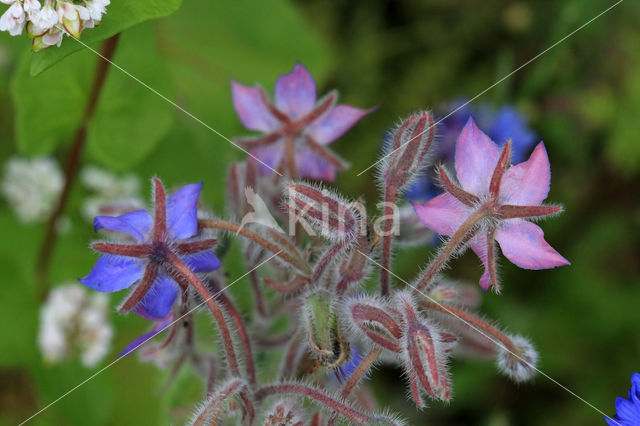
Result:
{"points": [[71, 319], [32, 187], [46, 23], [111, 195]]}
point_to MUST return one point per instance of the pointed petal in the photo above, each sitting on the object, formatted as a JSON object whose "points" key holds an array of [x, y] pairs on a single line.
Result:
{"points": [[479, 246], [182, 211], [295, 93], [137, 224], [335, 122], [312, 166], [113, 273], [476, 158], [443, 214], [527, 183], [204, 261], [270, 155], [158, 301], [144, 338], [523, 243], [252, 111]]}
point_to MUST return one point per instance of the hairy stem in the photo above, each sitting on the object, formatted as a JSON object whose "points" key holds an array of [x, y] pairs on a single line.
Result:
{"points": [[468, 318], [278, 251], [449, 248], [72, 164]]}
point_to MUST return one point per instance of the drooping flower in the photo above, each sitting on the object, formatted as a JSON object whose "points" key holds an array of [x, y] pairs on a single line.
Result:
{"points": [[154, 246], [297, 128], [500, 125], [500, 198], [32, 187], [71, 318], [13, 20], [628, 409], [111, 195]]}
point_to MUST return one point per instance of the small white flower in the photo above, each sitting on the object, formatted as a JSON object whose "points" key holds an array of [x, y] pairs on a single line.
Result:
{"points": [[72, 319], [13, 20], [45, 17], [97, 8], [31, 5], [32, 187]]}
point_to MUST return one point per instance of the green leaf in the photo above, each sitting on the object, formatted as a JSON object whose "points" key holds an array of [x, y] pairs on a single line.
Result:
{"points": [[121, 14], [49, 107], [130, 119]]}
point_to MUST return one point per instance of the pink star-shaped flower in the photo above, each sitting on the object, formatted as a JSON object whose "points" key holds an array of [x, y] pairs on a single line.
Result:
{"points": [[501, 197], [296, 126]]}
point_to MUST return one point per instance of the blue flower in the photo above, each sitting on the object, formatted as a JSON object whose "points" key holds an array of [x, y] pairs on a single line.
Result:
{"points": [[628, 409], [500, 126], [152, 250]]}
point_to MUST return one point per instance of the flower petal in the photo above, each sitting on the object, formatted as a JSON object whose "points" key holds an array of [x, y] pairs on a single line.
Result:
{"points": [[443, 214], [527, 183], [158, 301], [295, 93], [509, 124], [137, 223], [113, 273], [182, 211], [523, 243], [312, 166], [270, 155], [479, 246], [335, 122], [136, 343], [252, 111], [476, 157], [205, 261]]}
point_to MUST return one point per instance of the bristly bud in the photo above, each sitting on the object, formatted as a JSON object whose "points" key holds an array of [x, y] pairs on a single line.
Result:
{"points": [[324, 333], [519, 361], [283, 413], [424, 353], [322, 211], [408, 152], [375, 319], [454, 294]]}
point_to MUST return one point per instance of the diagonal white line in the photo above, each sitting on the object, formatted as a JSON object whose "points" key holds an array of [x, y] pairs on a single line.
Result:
{"points": [[143, 342], [497, 82], [174, 104], [496, 342]]}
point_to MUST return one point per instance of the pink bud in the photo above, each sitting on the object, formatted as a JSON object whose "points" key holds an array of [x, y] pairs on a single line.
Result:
{"points": [[376, 320]]}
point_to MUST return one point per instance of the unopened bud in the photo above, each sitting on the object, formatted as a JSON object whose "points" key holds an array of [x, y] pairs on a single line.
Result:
{"points": [[376, 320], [323, 329], [519, 361], [322, 211], [283, 414], [408, 152], [454, 294]]}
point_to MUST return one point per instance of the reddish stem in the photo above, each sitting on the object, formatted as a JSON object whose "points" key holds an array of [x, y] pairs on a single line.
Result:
{"points": [[385, 270], [72, 165]]}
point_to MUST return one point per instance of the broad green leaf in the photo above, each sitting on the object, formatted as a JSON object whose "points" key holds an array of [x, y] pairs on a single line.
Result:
{"points": [[131, 119], [121, 14], [49, 107]]}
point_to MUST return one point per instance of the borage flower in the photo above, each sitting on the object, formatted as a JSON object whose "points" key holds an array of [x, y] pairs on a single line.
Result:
{"points": [[628, 409], [164, 244], [499, 198], [296, 128]]}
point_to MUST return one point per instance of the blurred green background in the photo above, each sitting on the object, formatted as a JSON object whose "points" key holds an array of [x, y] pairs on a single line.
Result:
{"points": [[582, 98]]}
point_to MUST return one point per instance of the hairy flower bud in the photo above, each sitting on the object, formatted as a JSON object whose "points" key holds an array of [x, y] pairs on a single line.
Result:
{"points": [[322, 211], [374, 319], [424, 353], [453, 293], [407, 152], [519, 361], [283, 414]]}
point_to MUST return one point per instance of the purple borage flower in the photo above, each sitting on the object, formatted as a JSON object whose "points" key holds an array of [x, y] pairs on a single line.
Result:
{"points": [[153, 246], [628, 409], [297, 128], [501, 125], [492, 203]]}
